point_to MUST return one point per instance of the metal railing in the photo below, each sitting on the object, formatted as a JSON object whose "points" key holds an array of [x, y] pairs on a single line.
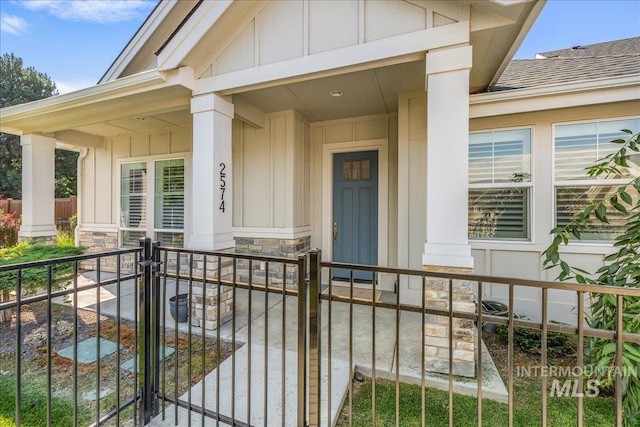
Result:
{"points": [[287, 348], [511, 322], [228, 391], [37, 305]]}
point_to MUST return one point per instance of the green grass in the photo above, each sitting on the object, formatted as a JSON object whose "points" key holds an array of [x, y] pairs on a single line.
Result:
{"points": [[527, 408], [34, 405]]}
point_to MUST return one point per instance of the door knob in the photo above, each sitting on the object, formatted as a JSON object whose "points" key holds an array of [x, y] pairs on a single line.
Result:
{"points": [[335, 232]]}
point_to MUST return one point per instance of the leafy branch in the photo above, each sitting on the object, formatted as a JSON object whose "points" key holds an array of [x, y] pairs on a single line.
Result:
{"points": [[622, 268]]}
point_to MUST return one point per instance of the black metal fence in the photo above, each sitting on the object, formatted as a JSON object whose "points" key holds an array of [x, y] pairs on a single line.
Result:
{"points": [[264, 340], [42, 329]]}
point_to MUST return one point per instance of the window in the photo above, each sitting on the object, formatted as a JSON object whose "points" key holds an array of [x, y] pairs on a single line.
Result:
{"points": [[499, 184], [164, 218], [578, 146], [169, 205], [133, 202]]}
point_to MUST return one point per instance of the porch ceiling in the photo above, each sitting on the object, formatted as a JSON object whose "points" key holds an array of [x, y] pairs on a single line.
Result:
{"points": [[366, 92]]}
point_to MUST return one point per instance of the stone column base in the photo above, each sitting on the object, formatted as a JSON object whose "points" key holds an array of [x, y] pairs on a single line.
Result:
{"points": [[204, 312], [437, 328], [43, 240]]}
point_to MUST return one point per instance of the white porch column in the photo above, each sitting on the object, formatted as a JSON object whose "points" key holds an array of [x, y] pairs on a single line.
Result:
{"points": [[211, 173], [447, 73], [38, 188]]}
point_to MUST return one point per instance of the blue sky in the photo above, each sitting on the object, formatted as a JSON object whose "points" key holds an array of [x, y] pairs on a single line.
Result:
{"points": [[74, 42]]}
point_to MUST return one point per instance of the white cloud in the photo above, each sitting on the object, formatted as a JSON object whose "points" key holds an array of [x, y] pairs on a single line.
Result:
{"points": [[12, 24], [100, 11], [66, 86]]}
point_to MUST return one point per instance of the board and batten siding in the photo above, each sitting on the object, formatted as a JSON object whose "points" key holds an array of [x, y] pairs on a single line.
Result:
{"points": [[276, 31], [99, 180], [271, 168]]}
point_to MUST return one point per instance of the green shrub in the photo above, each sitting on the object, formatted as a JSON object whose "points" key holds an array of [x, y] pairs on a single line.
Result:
{"points": [[66, 240], [530, 341], [9, 227], [73, 222], [36, 277]]}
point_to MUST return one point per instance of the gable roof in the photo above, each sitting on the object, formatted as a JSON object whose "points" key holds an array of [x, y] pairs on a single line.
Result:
{"points": [[629, 46], [579, 63]]}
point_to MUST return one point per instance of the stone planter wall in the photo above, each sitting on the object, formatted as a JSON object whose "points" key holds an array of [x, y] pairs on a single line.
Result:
{"points": [[285, 248], [101, 241]]}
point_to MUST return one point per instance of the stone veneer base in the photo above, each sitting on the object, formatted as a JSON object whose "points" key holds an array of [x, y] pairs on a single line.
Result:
{"points": [[437, 328]]}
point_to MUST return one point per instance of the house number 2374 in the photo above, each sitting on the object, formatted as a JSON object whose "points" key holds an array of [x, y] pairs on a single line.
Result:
{"points": [[223, 185]]}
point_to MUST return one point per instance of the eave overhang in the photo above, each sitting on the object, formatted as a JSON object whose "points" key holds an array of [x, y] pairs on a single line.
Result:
{"points": [[137, 95]]}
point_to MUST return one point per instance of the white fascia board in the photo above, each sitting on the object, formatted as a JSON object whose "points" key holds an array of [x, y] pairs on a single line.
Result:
{"points": [[190, 34], [138, 40], [103, 91], [526, 27], [346, 59], [561, 95]]}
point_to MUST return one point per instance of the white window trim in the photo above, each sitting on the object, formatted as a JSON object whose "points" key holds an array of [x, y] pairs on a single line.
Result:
{"points": [[531, 185], [151, 230]]}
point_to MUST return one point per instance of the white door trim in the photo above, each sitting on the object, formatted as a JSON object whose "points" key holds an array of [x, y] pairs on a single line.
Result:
{"points": [[328, 150]]}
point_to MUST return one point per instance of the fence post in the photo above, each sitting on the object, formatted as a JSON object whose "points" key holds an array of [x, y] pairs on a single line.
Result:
{"points": [[302, 341], [157, 311], [145, 315], [314, 338]]}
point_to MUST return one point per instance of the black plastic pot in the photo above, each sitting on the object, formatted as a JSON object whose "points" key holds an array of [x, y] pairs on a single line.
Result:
{"points": [[493, 308], [179, 307]]}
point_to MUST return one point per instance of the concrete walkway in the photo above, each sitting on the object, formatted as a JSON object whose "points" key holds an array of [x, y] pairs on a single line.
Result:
{"points": [[249, 395]]}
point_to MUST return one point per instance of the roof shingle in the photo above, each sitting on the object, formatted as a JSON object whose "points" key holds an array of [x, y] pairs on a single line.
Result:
{"points": [[609, 59]]}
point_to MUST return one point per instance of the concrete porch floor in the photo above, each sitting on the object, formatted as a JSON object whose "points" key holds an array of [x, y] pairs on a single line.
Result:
{"points": [[251, 396]]}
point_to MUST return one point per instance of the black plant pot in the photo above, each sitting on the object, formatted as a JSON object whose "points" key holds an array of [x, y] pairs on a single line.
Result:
{"points": [[493, 308], [179, 307]]}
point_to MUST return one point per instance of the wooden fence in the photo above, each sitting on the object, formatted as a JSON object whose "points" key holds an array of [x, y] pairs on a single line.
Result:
{"points": [[64, 208]]}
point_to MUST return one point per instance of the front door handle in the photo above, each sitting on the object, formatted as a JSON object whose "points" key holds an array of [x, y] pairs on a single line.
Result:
{"points": [[335, 232]]}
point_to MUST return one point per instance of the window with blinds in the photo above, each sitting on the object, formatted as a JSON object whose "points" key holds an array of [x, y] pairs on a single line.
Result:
{"points": [[165, 217], [133, 195], [499, 184], [577, 146], [169, 194]]}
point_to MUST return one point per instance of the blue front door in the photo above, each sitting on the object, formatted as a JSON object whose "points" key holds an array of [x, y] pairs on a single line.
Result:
{"points": [[355, 211]]}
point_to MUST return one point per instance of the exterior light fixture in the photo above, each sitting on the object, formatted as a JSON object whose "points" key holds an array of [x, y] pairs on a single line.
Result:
{"points": [[336, 93], [141, 118]]}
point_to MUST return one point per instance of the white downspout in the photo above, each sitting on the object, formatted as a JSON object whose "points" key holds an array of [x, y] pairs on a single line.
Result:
{"points": [[80, 179], [83, 151]]}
